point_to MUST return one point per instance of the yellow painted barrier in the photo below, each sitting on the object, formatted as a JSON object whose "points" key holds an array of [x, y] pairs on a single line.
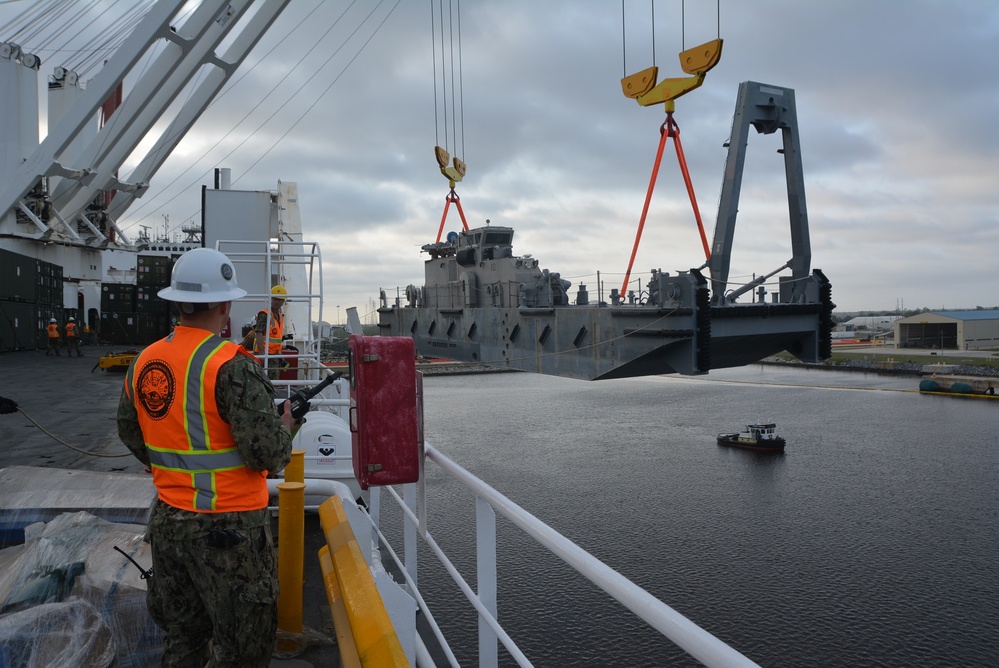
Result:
{"points": [[349, 585], [341, 624]]}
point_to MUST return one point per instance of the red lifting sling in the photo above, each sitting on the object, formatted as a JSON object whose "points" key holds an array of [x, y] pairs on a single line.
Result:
{"points": [[451, 197], [668, 129]]}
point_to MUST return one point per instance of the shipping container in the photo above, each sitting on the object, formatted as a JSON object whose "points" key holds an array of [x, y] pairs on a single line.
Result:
{"points": [[18, 326], [152, 327], [153, 270], [118, 328], [118, 297], [18, 277], [147, 300], [49, 284]]}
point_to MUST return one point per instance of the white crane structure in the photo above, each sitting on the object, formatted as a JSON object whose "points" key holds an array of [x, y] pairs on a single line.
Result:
{"points": [[65, 190]]}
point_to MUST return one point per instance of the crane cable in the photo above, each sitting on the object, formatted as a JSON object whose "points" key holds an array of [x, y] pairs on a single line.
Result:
{"points": [[450, 57], [452, 170], [669, 129]]}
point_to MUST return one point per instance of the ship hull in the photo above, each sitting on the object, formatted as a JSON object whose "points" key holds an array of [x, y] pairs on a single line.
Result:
{"points": [[757, 445], [603, 342]]}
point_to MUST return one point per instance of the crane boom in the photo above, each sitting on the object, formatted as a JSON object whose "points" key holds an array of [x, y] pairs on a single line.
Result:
{"points": [[72, 167]]}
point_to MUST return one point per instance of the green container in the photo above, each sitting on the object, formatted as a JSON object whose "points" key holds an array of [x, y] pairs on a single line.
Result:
{"points": [[118, 328], [18, 326], [118, 297], [18, 277]]}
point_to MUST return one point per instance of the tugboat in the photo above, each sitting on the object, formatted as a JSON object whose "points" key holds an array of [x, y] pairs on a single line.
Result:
{"points": [[760, 437]]}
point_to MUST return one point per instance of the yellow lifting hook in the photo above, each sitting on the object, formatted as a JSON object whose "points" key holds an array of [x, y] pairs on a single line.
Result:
{"points": [[454, 171], [642, 86]]}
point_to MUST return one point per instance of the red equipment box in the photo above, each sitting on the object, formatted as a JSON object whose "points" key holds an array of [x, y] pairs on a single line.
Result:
{"points": [[385, 411]]}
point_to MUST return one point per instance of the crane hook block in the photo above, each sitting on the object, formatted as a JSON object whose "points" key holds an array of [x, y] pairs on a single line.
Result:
{"points": [[639, 83], [454, 171], [700, 59], [643, 88], [443, 157]]}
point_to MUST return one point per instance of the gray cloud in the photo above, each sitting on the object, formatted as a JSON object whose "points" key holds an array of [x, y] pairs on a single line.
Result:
{"points": [[897, 106]]}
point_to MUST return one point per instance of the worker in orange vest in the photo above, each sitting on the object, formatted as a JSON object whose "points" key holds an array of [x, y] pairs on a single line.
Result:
{"points": [[72, 338], [54, 338], [199, 411], [268, 331]]}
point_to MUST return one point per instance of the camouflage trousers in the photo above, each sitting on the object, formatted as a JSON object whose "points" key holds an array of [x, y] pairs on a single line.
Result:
{"points": [[220, 586], [73, 343]]}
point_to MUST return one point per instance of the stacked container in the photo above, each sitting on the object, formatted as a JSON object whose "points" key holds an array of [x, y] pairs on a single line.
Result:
{"points": [[19, 318], [118, 319], [153, 315], [49, 298]]}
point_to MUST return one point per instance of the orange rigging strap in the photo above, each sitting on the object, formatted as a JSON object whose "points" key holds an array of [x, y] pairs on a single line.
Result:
{"points": [[668, 129], [451, 197]]}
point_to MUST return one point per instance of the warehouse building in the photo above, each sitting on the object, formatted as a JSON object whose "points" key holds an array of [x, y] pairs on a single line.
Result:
{"points": [[949, 330]]}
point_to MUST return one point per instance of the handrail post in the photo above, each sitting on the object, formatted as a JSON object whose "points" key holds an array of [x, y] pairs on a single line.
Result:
{"points": [[409, 537], [485, 566], [375, 512]]}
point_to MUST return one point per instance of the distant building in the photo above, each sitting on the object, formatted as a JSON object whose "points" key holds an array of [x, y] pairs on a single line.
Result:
{"points": [[949, 330], [873, 322]]}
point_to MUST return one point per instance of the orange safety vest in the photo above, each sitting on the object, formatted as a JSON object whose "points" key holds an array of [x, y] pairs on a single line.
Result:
{"points": [[194, 459], [70, 329], [53, 331], [275, 332]]}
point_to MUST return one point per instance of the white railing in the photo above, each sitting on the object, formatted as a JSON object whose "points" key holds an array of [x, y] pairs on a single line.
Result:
{"points": [[697, 642], [299, 264]]}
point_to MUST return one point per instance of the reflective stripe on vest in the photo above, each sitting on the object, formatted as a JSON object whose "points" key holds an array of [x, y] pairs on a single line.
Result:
{"points": [[196, 465], [275, 331]]}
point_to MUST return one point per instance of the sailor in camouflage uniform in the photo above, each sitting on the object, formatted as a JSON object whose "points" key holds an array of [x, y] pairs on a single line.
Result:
{"points": [[200, 412]]}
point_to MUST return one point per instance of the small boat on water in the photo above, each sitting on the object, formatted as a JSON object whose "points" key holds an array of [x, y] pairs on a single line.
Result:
{"points": [[761, 437]]}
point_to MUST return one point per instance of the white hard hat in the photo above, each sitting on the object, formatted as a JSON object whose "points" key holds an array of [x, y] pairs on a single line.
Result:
{"points": [[52, 320], [202, 276], [71, 318]]}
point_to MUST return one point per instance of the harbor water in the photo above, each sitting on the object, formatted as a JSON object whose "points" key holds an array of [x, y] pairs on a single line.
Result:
{"points": [[873, 541]]}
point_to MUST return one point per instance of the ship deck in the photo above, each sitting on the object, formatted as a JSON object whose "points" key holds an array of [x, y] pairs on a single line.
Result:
{"points": [[74, 401]]}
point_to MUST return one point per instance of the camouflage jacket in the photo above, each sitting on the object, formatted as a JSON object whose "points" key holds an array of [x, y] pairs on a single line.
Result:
{"points": [[261, 325]]}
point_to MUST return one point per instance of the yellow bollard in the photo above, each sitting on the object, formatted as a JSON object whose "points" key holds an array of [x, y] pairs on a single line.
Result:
{"points": [[295, 471], [291, 555]]}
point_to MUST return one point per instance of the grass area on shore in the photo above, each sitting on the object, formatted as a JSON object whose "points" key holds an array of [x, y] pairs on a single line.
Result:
{"points": [[901, 355]]}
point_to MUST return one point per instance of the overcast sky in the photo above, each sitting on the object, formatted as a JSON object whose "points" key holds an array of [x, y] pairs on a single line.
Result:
{"points": [[897, 105]]}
